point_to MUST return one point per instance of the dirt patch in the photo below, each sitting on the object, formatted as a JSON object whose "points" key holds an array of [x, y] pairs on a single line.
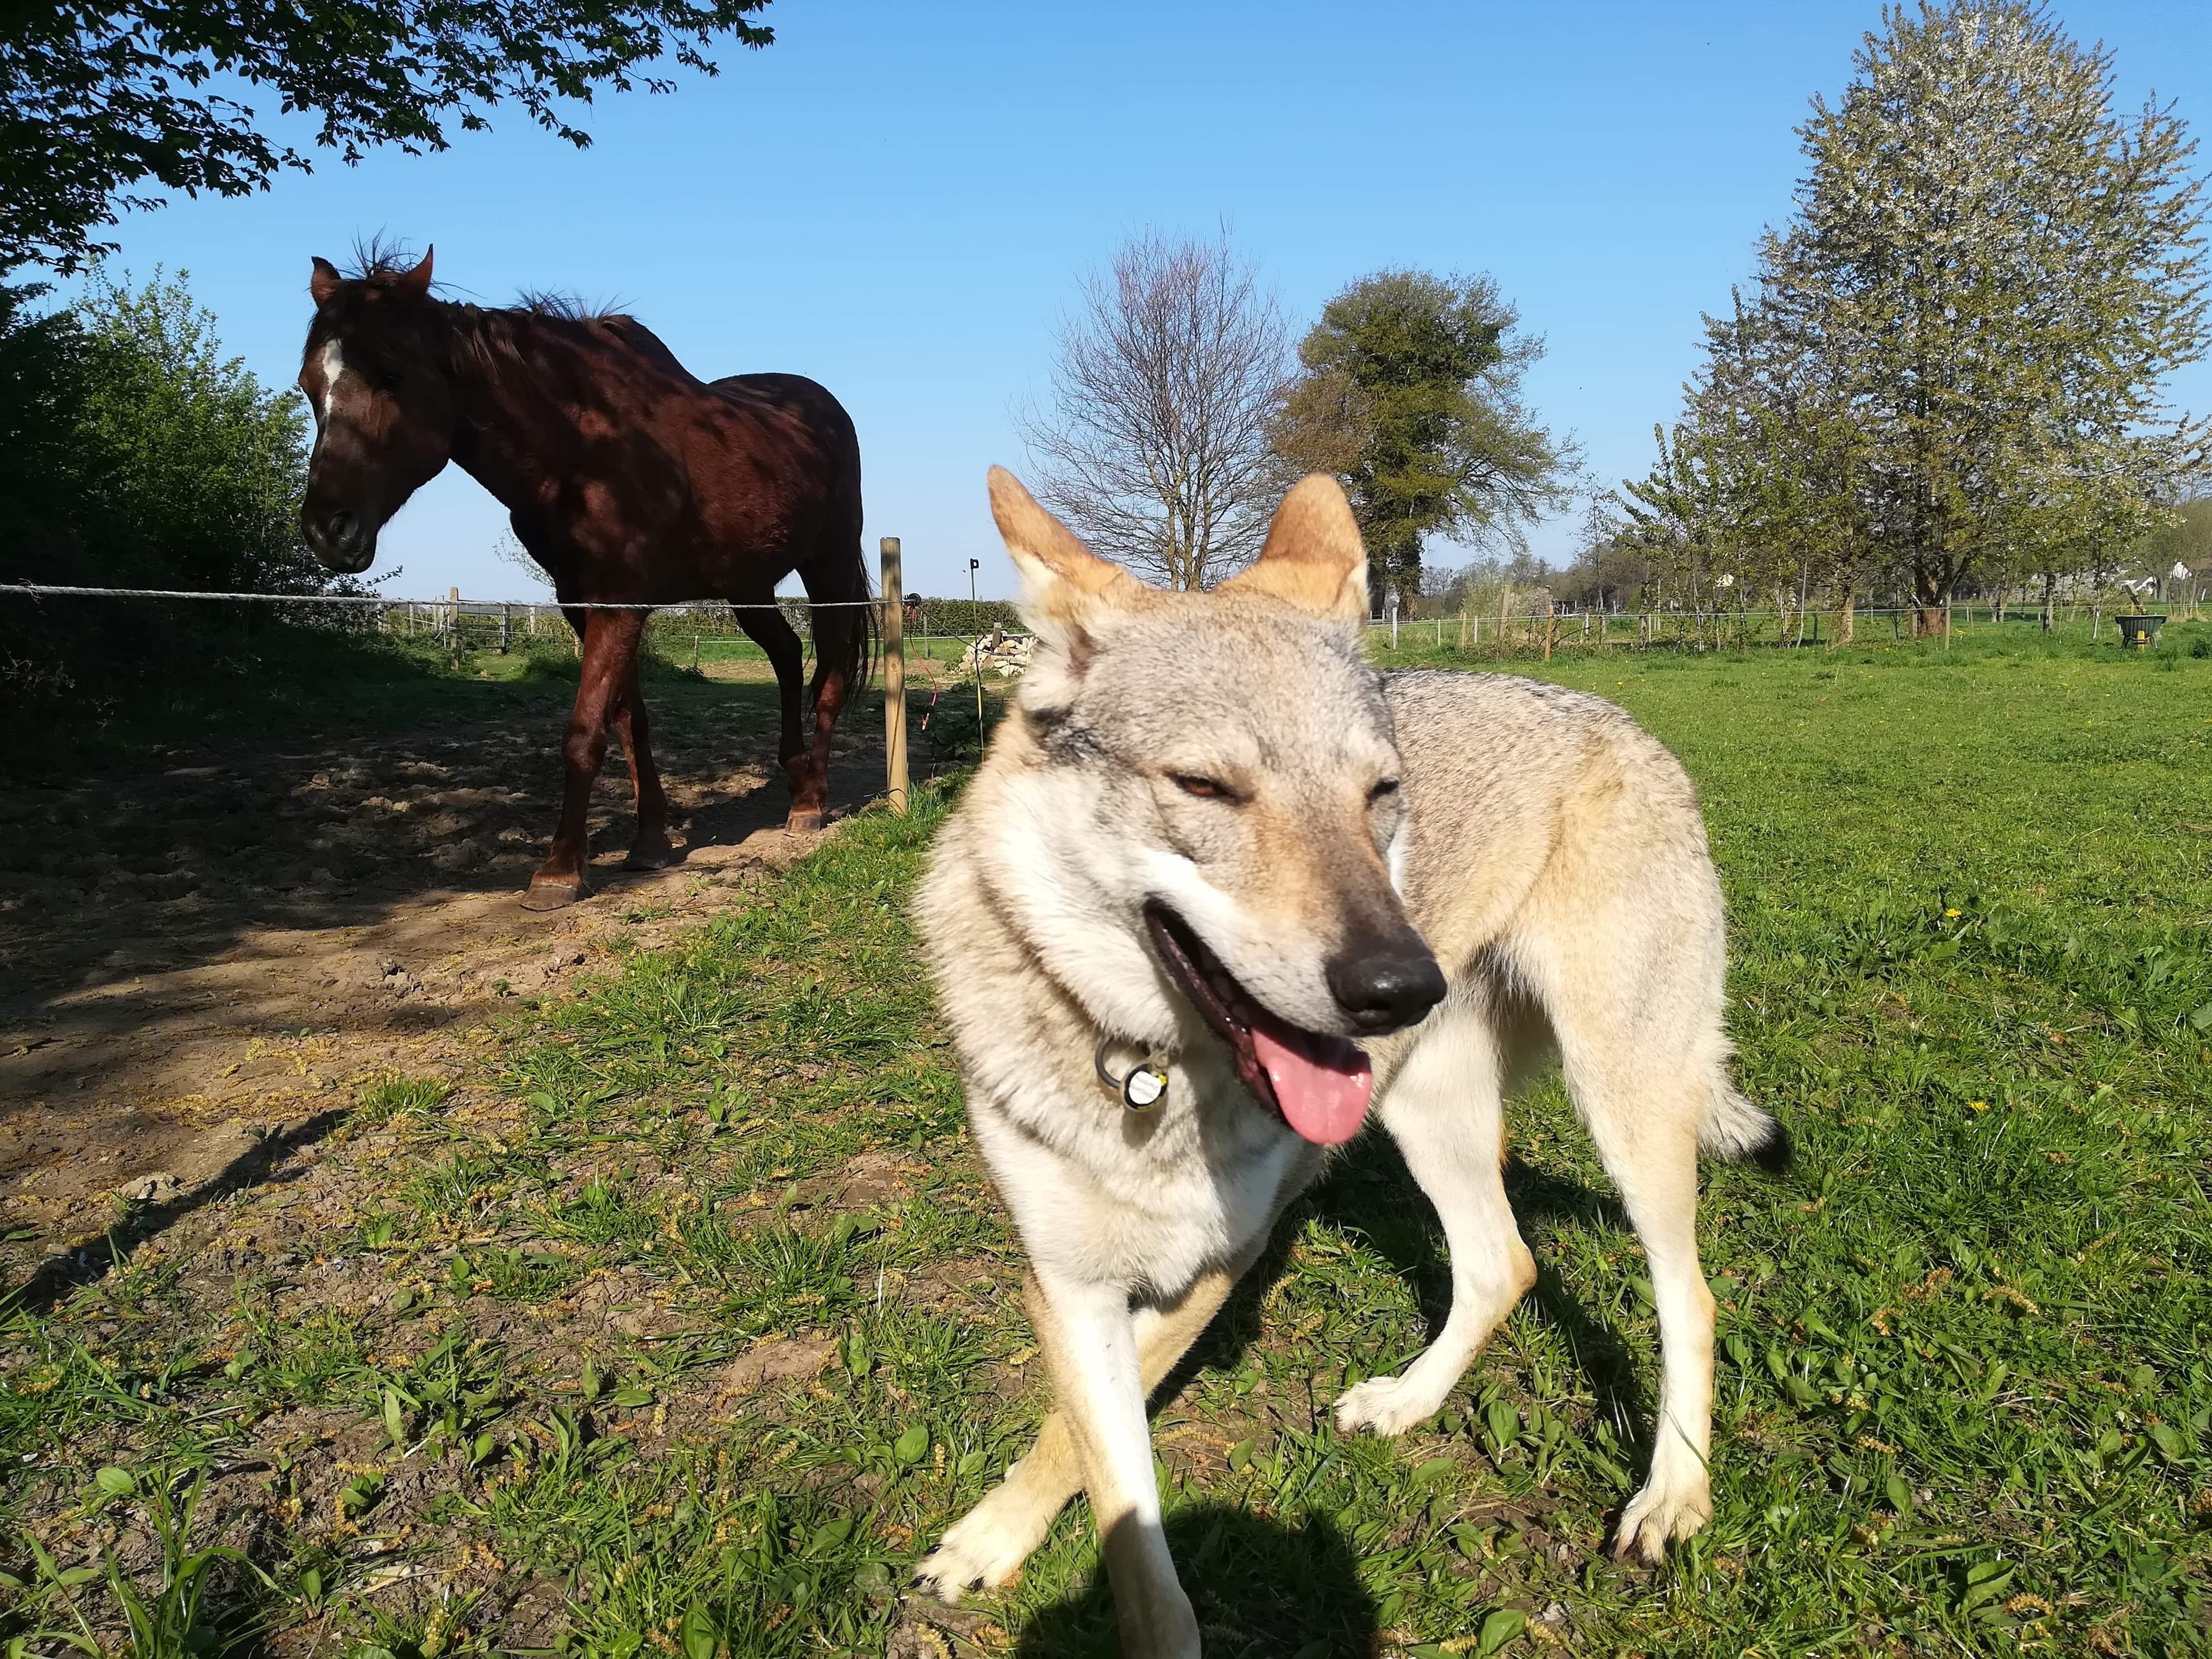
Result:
{"points": [[214, 948]]}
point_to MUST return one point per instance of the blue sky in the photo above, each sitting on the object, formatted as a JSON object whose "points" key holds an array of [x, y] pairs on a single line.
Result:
{"points": [[898, 200]]}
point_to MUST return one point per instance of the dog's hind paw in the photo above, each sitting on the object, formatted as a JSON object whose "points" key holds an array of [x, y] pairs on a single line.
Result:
{"points": [[1389, 1405], [1657, 1517]]}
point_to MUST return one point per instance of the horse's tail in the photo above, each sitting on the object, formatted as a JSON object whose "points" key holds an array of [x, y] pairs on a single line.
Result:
{"points": [[848, 632], [846, 626]]}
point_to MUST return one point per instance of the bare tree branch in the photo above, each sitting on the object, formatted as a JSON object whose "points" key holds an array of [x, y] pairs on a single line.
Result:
{"points": [[1164, 385]]}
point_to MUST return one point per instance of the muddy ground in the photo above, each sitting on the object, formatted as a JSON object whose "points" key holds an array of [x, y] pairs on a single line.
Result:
{"points": [[214, 942]]}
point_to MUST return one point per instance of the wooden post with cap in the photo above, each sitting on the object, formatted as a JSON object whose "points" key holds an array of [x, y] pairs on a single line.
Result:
{"points": [[894, 592]]}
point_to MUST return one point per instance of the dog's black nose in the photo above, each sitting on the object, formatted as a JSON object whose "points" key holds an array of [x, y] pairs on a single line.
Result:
{"points": [[1386, 985]]}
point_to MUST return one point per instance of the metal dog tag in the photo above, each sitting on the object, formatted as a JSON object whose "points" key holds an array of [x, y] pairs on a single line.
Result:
{"points": [[1144, 1088]]}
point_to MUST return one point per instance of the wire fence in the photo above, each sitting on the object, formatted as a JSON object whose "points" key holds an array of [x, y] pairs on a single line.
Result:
{"points": [[1541, 631], [912, 629], [703, 629], [707, 632], [985, 637]]}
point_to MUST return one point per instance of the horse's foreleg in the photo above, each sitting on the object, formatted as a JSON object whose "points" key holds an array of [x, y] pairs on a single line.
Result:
{"points": [[649, 847], [768, 629], [610, 638]]}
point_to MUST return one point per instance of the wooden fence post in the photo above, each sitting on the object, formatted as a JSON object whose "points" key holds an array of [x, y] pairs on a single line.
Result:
{"points": [[894, 591]]}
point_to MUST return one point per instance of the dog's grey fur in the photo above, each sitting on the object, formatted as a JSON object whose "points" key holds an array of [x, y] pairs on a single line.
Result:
{"points": [[1550, 852]]}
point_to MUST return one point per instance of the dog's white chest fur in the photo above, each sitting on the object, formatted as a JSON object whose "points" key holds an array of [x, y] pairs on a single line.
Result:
{"points": [[1148, 1199]]}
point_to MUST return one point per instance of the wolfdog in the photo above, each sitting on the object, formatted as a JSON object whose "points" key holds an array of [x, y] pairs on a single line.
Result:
{"points": [[1218, 887]]}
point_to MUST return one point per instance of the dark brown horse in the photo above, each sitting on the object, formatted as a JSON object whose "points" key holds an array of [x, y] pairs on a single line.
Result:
{"points": [[629, 480]]}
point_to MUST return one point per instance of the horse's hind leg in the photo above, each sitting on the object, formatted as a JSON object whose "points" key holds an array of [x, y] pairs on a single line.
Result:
{"points": [[837, 578], [766, 627], [833, 683], [611, 640], [649, 847]]}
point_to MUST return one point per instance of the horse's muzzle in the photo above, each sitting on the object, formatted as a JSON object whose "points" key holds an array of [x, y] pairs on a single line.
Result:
{"points": [[344, 541]]}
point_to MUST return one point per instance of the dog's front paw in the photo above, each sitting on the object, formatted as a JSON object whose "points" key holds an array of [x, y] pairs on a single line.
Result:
{"points": [[1659, 1516], [1389, 1405], [980, 1552]]}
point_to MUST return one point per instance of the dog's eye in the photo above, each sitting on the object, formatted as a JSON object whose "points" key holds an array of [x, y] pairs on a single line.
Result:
{"points": [[1205, 788], [1383, 791]]}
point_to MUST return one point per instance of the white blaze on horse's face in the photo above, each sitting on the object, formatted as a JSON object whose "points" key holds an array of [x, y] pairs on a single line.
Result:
{"points": [[333, 368]]}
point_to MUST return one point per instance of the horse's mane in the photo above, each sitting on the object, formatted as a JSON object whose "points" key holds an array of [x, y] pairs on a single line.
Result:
{"points": [[568, 308], [488, 333], [380, 261]]}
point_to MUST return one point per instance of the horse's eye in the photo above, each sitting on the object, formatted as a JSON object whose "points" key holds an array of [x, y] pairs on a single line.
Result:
{"points": [[389, 380], [1383, 791]]}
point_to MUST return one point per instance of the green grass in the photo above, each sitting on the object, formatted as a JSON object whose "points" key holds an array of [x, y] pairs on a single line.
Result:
{"points": [[1966, 1376]]}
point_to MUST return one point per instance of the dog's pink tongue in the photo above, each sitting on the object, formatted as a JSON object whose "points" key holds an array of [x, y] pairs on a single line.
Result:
{"points": [[1321, 1083]]}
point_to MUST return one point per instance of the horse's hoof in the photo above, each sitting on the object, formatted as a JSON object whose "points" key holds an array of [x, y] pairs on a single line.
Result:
{"points": [[555, 895], [658, 856], [803, 823]]}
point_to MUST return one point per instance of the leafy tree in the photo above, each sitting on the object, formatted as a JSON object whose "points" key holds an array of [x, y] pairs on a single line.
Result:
{"points": [[43, 376], [100, 102], [1957, 344], [1758, 488], [1409, 391], [197, 457], [134, 454], [1155, 448], [2184, 537]]}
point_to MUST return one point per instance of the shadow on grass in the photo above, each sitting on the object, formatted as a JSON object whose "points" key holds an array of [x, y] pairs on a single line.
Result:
{"points": [[1261, 1588], [89, 1259], [1372, 1192]]}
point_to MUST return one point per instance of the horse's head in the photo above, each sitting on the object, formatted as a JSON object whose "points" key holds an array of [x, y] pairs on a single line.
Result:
{"points": [[381, 386]]}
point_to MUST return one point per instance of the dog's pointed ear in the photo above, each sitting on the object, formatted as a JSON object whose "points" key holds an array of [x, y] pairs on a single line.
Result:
{"points": [[1065, 584], [325, 281], [417, 281], [1313, 558]]}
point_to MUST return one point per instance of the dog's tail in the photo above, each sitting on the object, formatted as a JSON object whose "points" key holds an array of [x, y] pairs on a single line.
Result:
{"points": [[1736, 1129]]}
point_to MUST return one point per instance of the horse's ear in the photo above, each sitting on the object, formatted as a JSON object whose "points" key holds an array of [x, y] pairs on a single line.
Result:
{"points": [[325, 281], [1064, 583], [1313, 559], [417, 281]]}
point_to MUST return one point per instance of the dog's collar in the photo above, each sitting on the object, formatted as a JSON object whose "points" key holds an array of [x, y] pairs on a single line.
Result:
{"points": [[1144, 1086]]}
